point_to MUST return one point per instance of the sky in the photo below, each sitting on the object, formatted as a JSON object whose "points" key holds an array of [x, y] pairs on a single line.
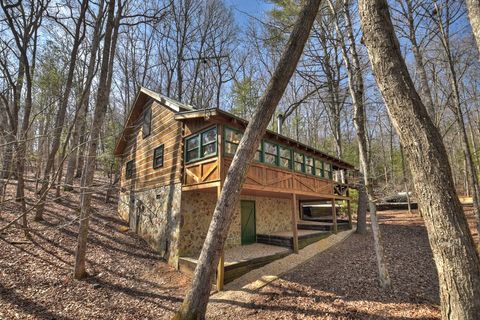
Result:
{"points": [[242, 9]]}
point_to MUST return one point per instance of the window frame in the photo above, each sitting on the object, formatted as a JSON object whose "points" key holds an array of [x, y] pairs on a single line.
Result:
{"points": [[264, 153], [290, 159], [199, 136], [295, 162], [160, 147], [129, 171], [147, 111]]}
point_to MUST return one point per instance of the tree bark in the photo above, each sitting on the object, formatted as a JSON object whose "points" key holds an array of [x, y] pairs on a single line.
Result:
{"points": [[103, 92], [473, 7], [453, 249], [195, 303]]}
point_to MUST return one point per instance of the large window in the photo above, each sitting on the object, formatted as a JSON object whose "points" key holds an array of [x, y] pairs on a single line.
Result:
{"points": [[273, 154], [270, 153], [285, 157], [158, 157], [129, 170], [319, 168], [232, 140], [309, 165], [299, 162], [201, 145], [147, 121], [327, 168]]}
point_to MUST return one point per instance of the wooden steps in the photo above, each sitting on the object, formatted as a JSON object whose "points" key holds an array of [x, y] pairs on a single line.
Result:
{"points": [[232, 270], [287, 240]]}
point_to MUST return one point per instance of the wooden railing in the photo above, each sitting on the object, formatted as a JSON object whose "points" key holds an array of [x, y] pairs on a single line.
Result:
{"points": [[201, 172]]}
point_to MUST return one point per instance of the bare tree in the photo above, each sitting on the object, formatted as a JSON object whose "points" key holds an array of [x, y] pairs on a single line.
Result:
{"points": [[452, 245]]}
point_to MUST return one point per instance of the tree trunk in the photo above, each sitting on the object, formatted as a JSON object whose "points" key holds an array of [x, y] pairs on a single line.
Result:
{"points": [[405, 183], [474, 17], [362, 208], [103, 92], [195, 303], [453, 249]]}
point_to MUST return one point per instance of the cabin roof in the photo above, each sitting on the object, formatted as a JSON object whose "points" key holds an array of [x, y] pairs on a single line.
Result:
{"points": [[213, 113], [141, 99]]}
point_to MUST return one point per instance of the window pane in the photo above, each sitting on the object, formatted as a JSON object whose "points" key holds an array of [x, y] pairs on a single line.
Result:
{"points": [[309, 169], [284, 163], [327, 166], [309, 161], [270, 159], [298, 157], [158, 157], [230, 148], [269, 148], [233, 136], [285, 153], [209, 136], [147, 119], [192, 154], [298, 166], [192, 143], [209, 149]]}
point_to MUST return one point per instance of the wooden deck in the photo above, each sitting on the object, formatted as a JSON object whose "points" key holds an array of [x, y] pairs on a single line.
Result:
{"points": [[323, 225]]}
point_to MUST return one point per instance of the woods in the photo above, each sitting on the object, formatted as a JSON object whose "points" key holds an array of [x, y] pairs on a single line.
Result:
{"points": [[174, 113]]}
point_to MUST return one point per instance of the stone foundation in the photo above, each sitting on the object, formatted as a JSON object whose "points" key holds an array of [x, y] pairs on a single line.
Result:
{"points": [[272, 215], [155, 215]]}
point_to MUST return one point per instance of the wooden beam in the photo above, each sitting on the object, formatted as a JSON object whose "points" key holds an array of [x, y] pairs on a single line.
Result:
{"points": [[295, 222], [334, 216]]}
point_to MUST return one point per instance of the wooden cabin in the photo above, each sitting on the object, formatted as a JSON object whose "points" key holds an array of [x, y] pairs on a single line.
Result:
{"points": [[175, 159]]}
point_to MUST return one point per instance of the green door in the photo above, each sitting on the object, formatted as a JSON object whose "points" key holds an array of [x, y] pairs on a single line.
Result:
{"points": [[249, 234]]}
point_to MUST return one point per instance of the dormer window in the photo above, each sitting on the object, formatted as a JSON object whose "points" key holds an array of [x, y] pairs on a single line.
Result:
{"points": [[147, 121]]}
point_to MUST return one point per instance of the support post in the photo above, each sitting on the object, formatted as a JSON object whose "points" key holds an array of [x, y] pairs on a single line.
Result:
{"points": [[294, 223], [349, 210], [221, 261], [334, 216]]}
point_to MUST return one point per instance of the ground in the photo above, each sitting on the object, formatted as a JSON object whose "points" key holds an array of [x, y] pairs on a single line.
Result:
{"points": [[129, 281]]}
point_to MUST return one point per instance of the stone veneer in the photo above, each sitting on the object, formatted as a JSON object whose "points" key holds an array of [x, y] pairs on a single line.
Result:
{"points": [[272, 215], [154, 214]]}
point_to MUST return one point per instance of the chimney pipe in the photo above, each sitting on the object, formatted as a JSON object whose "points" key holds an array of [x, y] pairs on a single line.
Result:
{"points": [[279, 123]]}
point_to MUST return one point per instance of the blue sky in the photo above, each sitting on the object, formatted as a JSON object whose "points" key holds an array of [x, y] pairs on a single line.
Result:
{"points": [[243, 8]]}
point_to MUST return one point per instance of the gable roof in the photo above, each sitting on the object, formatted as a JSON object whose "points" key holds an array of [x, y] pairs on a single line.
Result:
{"points": [[141, 99], [212, 113]]}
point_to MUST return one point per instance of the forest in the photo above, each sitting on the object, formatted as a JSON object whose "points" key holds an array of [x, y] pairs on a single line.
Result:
{"points": [[391, 87]]}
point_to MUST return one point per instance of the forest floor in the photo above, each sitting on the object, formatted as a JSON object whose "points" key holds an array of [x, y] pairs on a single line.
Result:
{"points": [[129, 281]]}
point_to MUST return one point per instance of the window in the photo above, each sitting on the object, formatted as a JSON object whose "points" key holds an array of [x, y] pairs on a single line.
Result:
{"points": [[259, 153], [299, 162], [270, 153], [285, 157], [158, 157], [232, 140], [327, 168], [147, 121], [201, 145], [129, 170], [318, 168], [309, 165]]}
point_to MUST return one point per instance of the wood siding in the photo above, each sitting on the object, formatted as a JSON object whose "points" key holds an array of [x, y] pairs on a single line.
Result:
{"points": [[164, 130]]}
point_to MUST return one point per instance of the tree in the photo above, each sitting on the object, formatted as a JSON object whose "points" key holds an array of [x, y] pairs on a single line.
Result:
{"points": [[452, 245], [103, 92], [356, 88], [195, 303]]}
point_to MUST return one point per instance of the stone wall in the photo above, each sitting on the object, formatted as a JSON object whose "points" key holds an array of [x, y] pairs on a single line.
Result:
{"points": [[154, 214], [272, 215]]}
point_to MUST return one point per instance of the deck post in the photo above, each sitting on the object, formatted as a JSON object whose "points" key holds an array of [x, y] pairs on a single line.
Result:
{"points": [[334, 216], [294, 222], [349, 210], [221, 261]]}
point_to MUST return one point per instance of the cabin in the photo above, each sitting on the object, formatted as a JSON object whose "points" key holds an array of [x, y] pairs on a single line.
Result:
{"points": [[174, 160]]}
